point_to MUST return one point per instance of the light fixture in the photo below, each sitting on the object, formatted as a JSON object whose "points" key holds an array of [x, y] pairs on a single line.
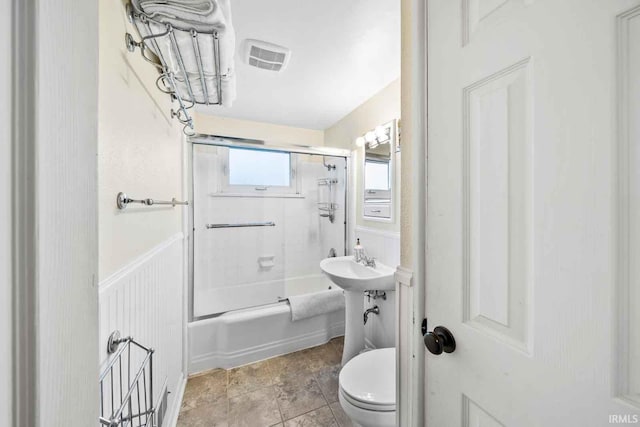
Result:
{"points": [[381, 133], [360, 141], [370, 136]]}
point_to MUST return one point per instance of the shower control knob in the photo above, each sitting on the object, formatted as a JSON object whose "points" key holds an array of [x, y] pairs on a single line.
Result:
{"points": [[440, 340]]}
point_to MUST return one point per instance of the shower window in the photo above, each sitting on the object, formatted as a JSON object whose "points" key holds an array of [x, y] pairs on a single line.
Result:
{"points": [[260, 172]]}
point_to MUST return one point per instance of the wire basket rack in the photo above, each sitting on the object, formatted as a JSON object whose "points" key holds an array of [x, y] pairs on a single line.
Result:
{"points": [[126, 385], [185, 86]]}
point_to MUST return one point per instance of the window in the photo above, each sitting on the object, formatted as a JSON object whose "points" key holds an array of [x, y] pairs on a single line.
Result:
{"points": [[260, 172]]}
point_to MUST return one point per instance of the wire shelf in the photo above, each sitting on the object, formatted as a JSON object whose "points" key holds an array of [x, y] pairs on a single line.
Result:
{"points": [[188, 87], [126, 385]]}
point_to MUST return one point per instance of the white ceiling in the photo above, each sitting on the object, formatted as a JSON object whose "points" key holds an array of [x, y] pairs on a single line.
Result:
{"points": [[343, 52]]}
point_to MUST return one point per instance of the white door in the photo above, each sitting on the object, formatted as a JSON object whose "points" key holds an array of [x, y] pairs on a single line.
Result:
{"points": [[533, 229]]}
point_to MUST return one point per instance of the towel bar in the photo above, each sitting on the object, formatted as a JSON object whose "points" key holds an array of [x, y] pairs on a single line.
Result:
{"points": [[122, 200], [248, 224]]}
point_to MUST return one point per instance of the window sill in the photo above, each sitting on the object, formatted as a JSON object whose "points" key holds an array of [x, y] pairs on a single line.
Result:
{"points": [[260, 196]]}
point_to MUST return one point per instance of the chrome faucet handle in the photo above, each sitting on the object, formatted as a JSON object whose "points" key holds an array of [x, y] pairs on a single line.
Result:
{"points": [[370, 262]]}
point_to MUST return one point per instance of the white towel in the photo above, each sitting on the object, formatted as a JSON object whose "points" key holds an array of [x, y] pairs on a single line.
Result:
{"points": [[314, 304], [201, 15], [184, 40]]}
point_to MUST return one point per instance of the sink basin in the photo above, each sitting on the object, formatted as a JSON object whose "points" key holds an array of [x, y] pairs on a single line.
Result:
{"points": [[352, 276]]}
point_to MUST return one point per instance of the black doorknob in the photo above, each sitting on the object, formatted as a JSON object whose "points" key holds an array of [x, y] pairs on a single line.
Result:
{"points": [[441, 339]]}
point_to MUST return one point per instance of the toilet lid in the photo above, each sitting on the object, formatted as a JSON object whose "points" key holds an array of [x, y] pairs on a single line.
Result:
{"points": [[370, 378]]}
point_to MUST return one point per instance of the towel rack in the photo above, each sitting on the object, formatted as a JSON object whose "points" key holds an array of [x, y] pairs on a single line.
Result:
{"points": [[167, 81], [248, 224], [122, 200], [126, 385]]}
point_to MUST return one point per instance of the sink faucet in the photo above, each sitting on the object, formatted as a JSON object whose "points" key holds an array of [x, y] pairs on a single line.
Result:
{"points": [[360, 256], [369, 261]]}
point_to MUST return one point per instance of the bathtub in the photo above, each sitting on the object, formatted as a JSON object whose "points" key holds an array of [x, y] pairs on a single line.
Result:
{"points": [[244, 336]]}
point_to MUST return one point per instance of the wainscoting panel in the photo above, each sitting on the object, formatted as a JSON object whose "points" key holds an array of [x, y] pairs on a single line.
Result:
{"points": [[144, 300]]}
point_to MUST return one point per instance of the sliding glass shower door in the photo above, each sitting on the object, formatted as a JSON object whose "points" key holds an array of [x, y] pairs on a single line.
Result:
{"points": [[263, 219]]}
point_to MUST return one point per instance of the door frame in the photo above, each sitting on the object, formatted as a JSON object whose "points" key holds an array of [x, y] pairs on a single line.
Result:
{"points": [[410, 276], [53, 184]]}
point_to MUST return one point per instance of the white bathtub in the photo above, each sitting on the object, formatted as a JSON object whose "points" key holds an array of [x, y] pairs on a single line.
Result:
{"points": [[245, 336]]}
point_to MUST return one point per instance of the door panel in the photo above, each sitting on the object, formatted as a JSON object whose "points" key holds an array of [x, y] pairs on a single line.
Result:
{"points": [[524, 264]]}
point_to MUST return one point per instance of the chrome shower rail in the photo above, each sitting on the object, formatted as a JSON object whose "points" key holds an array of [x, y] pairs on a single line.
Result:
{"points": [[248, 224], [122, 200]]}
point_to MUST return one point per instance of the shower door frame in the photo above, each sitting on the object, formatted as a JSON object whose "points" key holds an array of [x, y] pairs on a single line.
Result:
{"points": [[234, 142]]}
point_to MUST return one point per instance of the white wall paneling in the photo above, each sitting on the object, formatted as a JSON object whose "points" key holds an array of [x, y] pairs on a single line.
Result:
{"points": [[628, 292], [143, 300], [383, 245]]}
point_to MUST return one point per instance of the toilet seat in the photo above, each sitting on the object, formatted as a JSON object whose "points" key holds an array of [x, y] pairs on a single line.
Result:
{"points": [[368, 381]]}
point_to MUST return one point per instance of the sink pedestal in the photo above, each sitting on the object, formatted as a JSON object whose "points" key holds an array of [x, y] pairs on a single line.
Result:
{"points": [[354, 325], [355, 278]]}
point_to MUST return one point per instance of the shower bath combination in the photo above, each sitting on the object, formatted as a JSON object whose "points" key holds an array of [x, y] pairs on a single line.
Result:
{"points": [[259, 235]]}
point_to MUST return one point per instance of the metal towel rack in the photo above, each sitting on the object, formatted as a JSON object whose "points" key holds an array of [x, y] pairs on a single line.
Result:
{"points": [[126, 385], [123, 200], [248, 224], [168, 81]]}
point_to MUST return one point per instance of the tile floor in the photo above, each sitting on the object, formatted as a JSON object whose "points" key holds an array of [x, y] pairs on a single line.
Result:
{"points": [[294, 390]]}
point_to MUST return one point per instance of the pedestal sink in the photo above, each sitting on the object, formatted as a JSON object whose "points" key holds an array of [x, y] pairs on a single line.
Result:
{"points": [[355, 278]]}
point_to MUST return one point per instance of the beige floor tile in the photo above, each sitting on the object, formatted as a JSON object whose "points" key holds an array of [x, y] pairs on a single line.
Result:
{"points": [[209, 387], [208, 414], [322, 417], [323, 356], [248, 378], [254, 409], [299, 395], [341, 417], [290, 366], [328, 381], [338, 344]]}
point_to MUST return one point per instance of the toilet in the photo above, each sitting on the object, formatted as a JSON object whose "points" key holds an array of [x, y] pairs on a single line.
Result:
{"points": [[368, 388]]}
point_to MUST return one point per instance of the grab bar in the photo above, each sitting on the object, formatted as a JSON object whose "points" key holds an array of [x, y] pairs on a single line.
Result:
{"points": [[248, 224], [122, 200]]}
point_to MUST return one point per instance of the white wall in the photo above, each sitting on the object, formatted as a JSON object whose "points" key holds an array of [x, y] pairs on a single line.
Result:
{"points": [[379, 109], [140, 149], [65, 126], [5, 214], [140, 152], [275, 134]]}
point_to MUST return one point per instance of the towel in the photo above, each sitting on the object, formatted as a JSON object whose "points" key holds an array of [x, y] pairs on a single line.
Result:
{"points": [[201, 15], [314, 304]]}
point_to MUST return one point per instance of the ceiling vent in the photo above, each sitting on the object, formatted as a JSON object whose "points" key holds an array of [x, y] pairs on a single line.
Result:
{"points": [[265, 55]]}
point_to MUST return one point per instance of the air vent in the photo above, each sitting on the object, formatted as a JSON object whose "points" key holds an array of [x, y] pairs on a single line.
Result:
{"points": [[265, 55]]}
